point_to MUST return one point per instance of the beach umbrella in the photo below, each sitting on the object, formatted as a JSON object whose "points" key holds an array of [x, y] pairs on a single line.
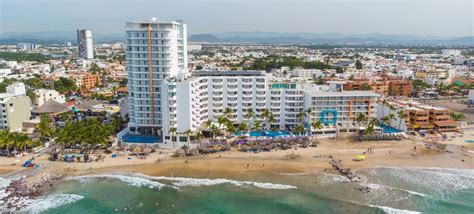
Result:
{"points": [[360, 157]]}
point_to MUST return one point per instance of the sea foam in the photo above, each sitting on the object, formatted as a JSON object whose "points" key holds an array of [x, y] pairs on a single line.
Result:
{"points": [[445, 179], [390, 210], [42, 204], [182, 182], [130, 180]]}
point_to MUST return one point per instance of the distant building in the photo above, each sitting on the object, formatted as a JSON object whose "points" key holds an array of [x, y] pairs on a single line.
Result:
{"points": [[84, 44], [15, 107], [194, 47], [400, 87], [5, 72], [26, 46], [90, 81], [43, 95], [345, 64], [391, 87], [470, 98], [451, 52]]}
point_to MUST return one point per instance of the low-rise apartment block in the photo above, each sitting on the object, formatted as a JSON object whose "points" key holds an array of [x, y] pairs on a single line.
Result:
{"points": [[15, 107]]}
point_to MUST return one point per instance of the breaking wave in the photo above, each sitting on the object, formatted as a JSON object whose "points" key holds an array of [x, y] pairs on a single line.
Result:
{"points": [[130, 180], [391, 210], [181, 182], [51, 201]]}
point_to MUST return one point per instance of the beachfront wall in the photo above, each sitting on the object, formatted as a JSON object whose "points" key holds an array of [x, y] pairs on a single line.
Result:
{"points": [[383, 110]]}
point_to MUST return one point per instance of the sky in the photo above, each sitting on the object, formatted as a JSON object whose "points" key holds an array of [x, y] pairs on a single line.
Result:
{"points": [[451, 18]]}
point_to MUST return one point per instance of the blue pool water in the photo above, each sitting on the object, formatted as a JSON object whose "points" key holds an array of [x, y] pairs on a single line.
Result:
{"points": [[389, 129], [128, 138], [265, 134]]}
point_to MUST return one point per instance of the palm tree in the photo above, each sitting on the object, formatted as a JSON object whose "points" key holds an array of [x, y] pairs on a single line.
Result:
{"points": [[228, 112], [369, 130], [391, 117], [18, 140], [401, 115], [315, 125], [44, 127], [241, 128], [198, 135], [5, 137], [23, 142], [249, 114], [257, 125], [361, 119], [268, 116], [299, 129], [384, 102], [230, 127], [386, 120], [308, 114], [214, 130], [172, 132], [188, 133]]}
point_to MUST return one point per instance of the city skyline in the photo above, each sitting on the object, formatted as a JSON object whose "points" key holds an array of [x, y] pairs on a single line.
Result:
{"points": [[453, 19]]}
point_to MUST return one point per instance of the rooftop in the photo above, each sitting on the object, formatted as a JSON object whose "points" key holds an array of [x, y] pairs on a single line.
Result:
{"points": [[341, 93], [227, 73]]}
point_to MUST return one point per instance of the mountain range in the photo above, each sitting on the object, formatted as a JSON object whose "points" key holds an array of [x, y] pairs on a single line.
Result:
{"points": [[329, 38], [258, 37]]}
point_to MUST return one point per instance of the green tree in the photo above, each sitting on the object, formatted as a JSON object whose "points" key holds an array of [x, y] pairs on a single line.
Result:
{"points": [[299, 129], [5, 137], [188, 134], [65, 86], [172, 132], [401, 116], [315, 125], [45, 128], [365, 87], [249, 115], [358, 65], [360, 119], [268, 116]]}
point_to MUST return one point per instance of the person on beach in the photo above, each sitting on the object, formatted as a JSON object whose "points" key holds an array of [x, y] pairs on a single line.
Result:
{"points": [[248, 165]]}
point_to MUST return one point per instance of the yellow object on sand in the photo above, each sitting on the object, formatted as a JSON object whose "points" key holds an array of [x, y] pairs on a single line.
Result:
{"points": [[360, 157]]}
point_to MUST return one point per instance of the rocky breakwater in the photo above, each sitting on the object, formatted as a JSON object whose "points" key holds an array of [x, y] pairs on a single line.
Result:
{"points": [[19, 193]]}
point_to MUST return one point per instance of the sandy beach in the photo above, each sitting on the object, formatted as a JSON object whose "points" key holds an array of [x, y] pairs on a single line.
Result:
{"points": [[234, 164]]}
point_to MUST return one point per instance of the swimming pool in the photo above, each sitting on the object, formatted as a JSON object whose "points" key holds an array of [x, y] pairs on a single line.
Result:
{"points": [[128, 138], [389, 129], [265, 133]]}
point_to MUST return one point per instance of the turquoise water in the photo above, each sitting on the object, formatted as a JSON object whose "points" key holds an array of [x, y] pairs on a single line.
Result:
{"points": [[129, 138], [388, 129], [394, 190], [265, 133]]}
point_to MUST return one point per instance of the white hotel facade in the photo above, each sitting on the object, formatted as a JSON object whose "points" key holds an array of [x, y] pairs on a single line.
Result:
{"points": [[175, 98], [156, 51]]}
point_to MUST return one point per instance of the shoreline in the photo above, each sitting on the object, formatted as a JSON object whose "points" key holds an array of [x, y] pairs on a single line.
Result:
{"points": [[235, 164]]}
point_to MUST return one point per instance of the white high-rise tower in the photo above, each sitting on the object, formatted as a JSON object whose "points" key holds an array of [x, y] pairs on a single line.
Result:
{"points": [[84, 44], [156, 54]]}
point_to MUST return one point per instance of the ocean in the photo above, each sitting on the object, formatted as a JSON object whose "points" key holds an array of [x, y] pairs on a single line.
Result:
{"points": [[392, 190]]}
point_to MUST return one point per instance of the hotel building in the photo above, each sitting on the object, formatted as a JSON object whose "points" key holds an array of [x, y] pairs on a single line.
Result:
{"points": [[205, 94], [156, 52], [164, 96]]}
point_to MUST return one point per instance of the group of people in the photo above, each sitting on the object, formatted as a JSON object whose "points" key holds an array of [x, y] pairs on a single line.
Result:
{"points": [[370, 150]]}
